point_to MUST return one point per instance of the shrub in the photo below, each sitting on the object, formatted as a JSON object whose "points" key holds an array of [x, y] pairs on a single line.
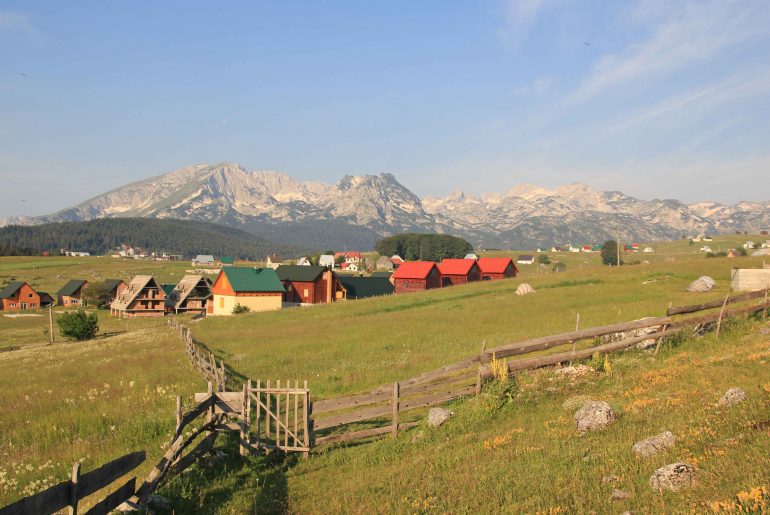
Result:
{"points": [[543, 259], [238, 309], [742, 252], [610, 253], [78, 325]]}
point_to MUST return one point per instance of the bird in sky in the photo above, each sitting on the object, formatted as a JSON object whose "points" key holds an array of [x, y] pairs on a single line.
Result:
{"points": [[586, 43], [23, 74]]}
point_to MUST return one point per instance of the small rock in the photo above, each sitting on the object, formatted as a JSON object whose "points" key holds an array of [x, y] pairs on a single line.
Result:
{"points": [[673, 477], [606, 480], [437, 416], [573, 372], [732, 396], [620, 495], [594, 415], [653, 445]]}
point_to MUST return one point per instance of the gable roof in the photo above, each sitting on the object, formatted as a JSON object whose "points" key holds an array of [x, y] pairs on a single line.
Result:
{"points": [[453, 266], [274, 258], [71, 287], [135, 287], [300, 273], [362, 287], [11, 289], [244, 279], [204, 258], [111, 284], [492, 265], [414, 270], [525, 257], [227, 260], [186, 286]]}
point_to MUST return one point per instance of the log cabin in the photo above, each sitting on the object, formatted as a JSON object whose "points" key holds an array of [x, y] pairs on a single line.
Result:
{"points": [[497, 268], [459, 271], [416, 276]]}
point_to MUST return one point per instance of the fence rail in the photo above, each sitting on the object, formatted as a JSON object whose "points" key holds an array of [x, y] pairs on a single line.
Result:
{"points": [[204, 362]]}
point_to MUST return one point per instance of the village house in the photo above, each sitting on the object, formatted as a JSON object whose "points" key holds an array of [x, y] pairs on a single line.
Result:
{"points": [[204, 260], [309, 284], [459, 271], [497, 268], [303, 261], [525, 259], [384, 263], [396, 260], [416, 276], [471, 255], [19, 295], [556, 249], [143, 297], [113, 288], [349, 267], [191, 295], [273, 261], [364, 287], [71, 293], [326, 260], [226, 261], [258, 289], [349, 256]]}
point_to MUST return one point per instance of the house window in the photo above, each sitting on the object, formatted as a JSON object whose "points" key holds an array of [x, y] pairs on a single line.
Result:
{"points": [[30, 295], [306, 292]]}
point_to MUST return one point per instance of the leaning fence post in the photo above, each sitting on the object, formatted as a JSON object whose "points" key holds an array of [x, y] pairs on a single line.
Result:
{"points": [[73, 510], [721, 314], [244, 414], [178, 411], [211, 392], [396, 392]]}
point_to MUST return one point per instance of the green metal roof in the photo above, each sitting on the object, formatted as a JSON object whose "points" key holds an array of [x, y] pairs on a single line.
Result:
{"points": [[382, 274], [299, 273], [227, 260], [71, 287], [362, 287], [111, 284], [168, 288], [11, 289], [253, 279]]}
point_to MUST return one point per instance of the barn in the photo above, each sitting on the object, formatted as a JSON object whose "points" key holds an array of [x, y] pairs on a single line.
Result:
{"points": [[17, 296], [71, 293], [309, 284], [258, 289], [497, 268], [459, 271], [144, 297], [416, 276]]}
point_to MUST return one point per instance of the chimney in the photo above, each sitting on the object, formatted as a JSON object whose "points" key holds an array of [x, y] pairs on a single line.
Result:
{"points": [[329, 279]]}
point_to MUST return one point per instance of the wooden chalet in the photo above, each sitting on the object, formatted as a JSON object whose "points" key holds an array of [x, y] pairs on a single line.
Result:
{"points": [[191, 295], [258, 289], [363, 287], [309, 284], [71, 293], [459, 271], [143, 297], [416, 276], [18, 296], [113, 289], [497, 268]]}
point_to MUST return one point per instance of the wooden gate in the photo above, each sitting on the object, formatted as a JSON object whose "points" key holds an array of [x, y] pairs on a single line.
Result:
{"points": [[277, 417]]}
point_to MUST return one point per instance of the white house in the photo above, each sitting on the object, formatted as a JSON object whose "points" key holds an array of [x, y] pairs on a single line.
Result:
{"points": [[303, 261], [525, 259], [204, 259], [469, 256], [326, 260]]}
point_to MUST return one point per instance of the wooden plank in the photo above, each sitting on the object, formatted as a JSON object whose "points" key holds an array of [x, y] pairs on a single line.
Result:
{"points": [[546, 342], [394, 430], [693, 308], [350, 401], [366, 433], [347, 418], [50, 500], [712, 317], [439, 372], [464, 379], [226, 402], [430, 400], [115, 499], [97, 479], [204, 446], [193, 414]]}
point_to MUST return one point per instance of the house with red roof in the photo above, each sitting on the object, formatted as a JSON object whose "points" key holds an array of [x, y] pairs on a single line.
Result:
{"points": [[459, 271], [497, 268], [416, 276]]}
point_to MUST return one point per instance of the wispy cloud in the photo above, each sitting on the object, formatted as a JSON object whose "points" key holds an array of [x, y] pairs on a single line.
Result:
{"points": [[20, 22], [686, 34]]}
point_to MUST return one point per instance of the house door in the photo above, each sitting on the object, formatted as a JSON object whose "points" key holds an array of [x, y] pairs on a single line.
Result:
{"points": [[23, 305]]}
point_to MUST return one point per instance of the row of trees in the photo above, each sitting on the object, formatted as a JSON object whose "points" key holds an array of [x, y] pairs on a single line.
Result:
{"points": [[424, 247]]}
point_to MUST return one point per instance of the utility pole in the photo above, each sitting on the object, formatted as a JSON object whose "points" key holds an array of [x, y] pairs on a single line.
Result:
{"points": [[617, 240], [50, 323]]}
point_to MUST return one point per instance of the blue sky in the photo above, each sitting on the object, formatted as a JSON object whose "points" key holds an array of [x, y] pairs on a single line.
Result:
{"points": [[658, 99]]}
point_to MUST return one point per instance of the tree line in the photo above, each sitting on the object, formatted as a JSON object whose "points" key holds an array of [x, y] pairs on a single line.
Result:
{"points": [[423, 247]]}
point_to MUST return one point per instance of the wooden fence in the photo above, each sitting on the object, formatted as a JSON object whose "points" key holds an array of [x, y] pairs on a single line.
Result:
{"points": [[70, 493], [203, 362]]}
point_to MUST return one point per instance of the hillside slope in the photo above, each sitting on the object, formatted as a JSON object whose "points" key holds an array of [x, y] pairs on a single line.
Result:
{"points": [[187, 238]]}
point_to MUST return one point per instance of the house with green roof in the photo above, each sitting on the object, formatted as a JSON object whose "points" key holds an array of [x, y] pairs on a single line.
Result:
{"points": [[71, 293], [363, 287], [226, 261], [258, 289]]}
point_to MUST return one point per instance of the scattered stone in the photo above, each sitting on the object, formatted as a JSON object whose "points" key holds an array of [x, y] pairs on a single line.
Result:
{"points": [[594, 415], [702, 284], [673, 477], [732, 396], [620, 495], [437, 416], [634, 333], [574, 372], [524, 289], [653, 445], [606, 480]]}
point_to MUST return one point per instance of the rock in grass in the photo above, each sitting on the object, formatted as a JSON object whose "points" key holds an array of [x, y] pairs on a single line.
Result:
{"points": [[702, 284], [620, 495], [573, 372], [655, 444], [732, 396], [594, 415], [437, 416], [673, 477]]}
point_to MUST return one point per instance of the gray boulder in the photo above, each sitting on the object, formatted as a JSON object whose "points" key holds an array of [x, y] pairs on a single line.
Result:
{"points": [[620, 495], [653, 445], [702, 284], [673, 477], [594, 415], [732, 396], [437, 416]]}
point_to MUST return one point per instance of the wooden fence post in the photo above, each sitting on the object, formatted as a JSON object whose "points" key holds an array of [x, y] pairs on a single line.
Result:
{"points": [[478, 380], [721, 314], [574, 342], [211, 392], [267, 411], [74, 480], [306, 417], [396, 391], [244, 416], [178, 411], [259, 412]]}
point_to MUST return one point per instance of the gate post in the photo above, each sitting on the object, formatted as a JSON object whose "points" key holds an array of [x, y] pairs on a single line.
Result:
{"points": [[396, 392]]}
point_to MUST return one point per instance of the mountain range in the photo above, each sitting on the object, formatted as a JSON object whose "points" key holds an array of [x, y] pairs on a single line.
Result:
{"points": [[358, 210]]}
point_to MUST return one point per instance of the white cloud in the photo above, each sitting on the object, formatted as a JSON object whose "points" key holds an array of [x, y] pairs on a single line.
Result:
{"points": [[689, 33], [20, 22], [520, 15]]}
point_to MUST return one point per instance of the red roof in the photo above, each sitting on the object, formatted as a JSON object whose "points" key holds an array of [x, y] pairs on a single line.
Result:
{"points": [[414, 270], [452, 266], [396, 260], [349, 254], [494, 265]]}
